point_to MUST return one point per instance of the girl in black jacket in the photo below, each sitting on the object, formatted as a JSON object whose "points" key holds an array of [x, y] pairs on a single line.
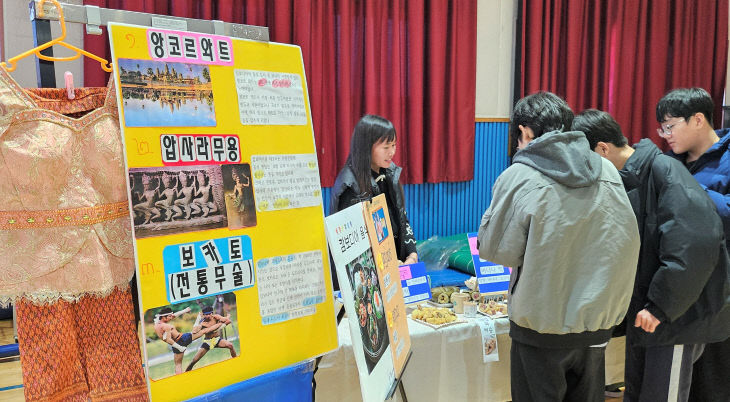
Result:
{"points": [[370, 171]]}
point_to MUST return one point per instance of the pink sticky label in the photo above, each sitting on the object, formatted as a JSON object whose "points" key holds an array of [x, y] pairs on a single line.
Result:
{"points": [[189, 47], [199, 149], [405, 272], [473, 245]]}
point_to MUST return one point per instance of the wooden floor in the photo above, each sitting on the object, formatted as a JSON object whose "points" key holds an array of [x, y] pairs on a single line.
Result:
{"points": [[11, 379]]}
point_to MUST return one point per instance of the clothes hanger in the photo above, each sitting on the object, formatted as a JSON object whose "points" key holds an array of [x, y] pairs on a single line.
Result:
{"points": [[10, 65]]}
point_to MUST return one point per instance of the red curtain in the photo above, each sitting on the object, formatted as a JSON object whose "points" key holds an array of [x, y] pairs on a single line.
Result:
{"points": [[622, 56], [411, 61]]}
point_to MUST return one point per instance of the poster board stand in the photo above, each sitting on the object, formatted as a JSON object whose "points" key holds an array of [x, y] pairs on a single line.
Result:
{"points": [[398, 383], [226, 204], [340, 316], [362, 248]]}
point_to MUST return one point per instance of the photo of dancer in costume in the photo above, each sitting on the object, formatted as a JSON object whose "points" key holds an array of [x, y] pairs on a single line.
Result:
{"points": [[238, 189]]}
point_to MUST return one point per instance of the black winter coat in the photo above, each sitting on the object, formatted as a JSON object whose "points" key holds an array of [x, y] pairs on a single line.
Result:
{"points": [[683, 274], [346, 192]]}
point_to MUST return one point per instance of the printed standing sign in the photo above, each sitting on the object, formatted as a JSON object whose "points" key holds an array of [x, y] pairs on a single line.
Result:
{"points": [[226, 206], [493, 279], [414, 282], [490, 349], [386, 262], [362, 294]]}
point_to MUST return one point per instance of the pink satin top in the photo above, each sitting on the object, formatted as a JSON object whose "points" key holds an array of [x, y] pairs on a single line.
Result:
{"points": [[64, 221]]}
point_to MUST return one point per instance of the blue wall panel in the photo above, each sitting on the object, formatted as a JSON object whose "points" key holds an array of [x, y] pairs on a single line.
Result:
{"points": [[445, 209]]}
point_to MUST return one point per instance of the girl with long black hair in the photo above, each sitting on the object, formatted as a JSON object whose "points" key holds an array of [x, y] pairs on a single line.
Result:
{"points": [[370, 171]]}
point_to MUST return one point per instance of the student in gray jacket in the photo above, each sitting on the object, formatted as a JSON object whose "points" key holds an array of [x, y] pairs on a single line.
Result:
{"points": [[681, 298], [561, 219]]}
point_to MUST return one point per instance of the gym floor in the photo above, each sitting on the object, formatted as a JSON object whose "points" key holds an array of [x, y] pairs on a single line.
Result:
{"points": [[11, 378]]}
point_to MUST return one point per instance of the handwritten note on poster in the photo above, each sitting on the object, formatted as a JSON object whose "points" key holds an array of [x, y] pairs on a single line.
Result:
{"points": [[270, 98], [290, 285], [285, 181]]}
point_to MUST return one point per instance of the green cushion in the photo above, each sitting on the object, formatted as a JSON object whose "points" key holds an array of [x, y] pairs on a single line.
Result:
{"points": [[462, 260]]}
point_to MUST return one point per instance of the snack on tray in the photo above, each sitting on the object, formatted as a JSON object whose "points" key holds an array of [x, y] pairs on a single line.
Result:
{"points": [[433, 315], [493, 308], [443, 290]]}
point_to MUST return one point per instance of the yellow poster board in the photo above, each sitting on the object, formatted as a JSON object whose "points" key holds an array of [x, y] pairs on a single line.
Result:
{"points": [[232, 261]]}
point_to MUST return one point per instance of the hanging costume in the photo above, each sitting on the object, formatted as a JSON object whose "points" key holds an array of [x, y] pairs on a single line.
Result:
{"points": [[66, 244]]}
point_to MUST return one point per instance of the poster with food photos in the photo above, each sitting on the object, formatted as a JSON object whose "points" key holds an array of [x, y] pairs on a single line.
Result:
{"points": [[362, 293], [225, 205], [390, 302]]}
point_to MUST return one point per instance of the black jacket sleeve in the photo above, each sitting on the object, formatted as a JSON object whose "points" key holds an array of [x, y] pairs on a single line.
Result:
{"points": [[409, 240], [690, 235], [407, 236], [348, 198]]}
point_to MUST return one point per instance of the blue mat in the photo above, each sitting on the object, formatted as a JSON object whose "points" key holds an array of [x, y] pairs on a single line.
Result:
{"points": [[9, 350], [292, 383], [447, 277]]}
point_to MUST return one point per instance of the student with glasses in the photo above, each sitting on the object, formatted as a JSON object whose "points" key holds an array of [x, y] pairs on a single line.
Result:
{"points": [[683, 261], [685, 115]]}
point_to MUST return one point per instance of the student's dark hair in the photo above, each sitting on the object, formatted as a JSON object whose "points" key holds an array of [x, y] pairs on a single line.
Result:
{"points": [[543, 112], [684, 103], [599, 126], [370, 130]]}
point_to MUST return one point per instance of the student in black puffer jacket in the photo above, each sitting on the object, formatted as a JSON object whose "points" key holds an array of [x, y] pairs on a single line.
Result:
{"points": [[369, 171], [680, 300]]}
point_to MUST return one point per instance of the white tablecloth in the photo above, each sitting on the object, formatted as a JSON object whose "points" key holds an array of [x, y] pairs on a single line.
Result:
{"points": [[446, 365]]}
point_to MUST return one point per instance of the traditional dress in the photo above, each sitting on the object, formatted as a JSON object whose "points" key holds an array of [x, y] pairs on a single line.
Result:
{"points": [[66, 254]]}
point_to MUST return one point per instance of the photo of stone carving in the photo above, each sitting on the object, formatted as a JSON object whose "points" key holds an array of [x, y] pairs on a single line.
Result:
{"points": [[176, 199]]}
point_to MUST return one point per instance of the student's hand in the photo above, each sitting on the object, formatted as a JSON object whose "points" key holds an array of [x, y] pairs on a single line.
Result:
{"points": [[412, 259], [646, 321]]}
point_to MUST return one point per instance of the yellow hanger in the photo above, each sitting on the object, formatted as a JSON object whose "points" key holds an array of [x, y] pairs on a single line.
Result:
{"points": [[10, 65]]}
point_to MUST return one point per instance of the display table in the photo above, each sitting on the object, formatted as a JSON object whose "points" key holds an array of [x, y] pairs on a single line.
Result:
{"points": [[446, 365]]}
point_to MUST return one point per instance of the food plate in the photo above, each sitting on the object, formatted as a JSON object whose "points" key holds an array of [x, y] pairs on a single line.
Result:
{"points": [[493, 309], [437, 326], [423, 313], [499, 315], [444, 305]]}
